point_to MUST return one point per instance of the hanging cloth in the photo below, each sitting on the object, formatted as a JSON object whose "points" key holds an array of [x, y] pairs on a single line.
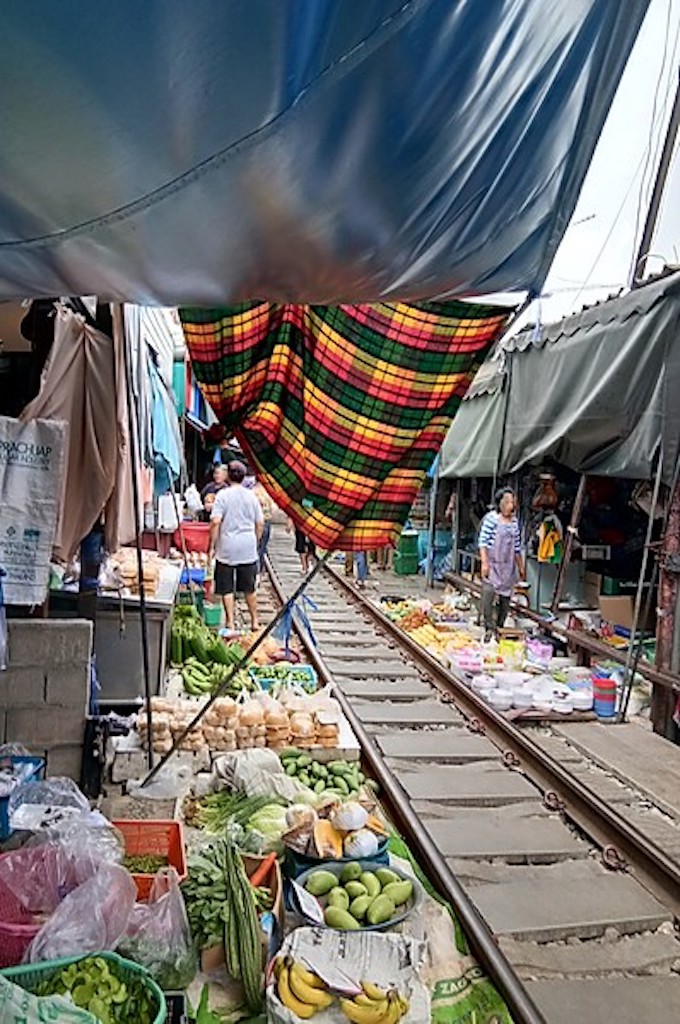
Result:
{"points": [[550, 538], [341, 409]]}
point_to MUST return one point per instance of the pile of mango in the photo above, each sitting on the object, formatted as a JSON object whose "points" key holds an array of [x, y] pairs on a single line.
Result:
{"points": [[356, 898]]}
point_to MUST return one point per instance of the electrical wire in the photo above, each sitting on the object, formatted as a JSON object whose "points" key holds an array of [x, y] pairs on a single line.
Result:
{"points": [[652, 150], [656, 118]]}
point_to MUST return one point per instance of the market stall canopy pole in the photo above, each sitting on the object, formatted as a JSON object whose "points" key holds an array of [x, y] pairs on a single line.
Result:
{"points": [[206, 153], [341, 409]]}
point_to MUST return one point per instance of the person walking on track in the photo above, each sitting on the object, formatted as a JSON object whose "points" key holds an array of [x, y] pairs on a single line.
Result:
{"points": [[500, 549], [236, 527]]}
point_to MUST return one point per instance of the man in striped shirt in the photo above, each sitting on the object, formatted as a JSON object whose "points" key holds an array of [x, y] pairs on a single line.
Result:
{"points": [[500, 549]]}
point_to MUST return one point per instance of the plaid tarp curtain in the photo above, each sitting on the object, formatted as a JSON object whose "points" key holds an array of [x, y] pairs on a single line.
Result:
{"points": [[341, 409]]}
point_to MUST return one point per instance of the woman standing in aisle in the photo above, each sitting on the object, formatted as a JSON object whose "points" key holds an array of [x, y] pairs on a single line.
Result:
{"points": [[500, 549]]}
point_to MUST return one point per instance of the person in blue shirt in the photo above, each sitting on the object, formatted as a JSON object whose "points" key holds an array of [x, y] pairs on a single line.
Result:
{"points": [[503, 565]]}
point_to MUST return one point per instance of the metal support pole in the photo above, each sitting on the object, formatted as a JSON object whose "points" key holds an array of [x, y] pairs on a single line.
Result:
{"points": [[627, 674], [432, 525], [119, 328], [455, 526], [572, 531], [657, 194]]}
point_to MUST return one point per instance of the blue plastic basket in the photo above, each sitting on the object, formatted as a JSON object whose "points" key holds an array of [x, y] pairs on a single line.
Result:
{"points": [[258, 673], [195, 575], [37, 765]]}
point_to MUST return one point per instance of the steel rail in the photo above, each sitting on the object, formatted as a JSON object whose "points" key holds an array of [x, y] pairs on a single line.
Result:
{"points": [[477, 931], [623, 846]]}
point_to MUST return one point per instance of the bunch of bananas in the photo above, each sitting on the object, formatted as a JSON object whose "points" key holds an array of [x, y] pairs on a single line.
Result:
{"points": [[301, 991], [374, 1005]]}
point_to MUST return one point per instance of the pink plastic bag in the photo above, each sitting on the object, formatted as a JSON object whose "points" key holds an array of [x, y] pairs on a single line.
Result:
{"points": [[92, 918]]}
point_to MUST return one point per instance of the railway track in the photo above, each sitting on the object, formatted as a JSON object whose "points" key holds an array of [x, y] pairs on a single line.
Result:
{"points": [[570, 907]]}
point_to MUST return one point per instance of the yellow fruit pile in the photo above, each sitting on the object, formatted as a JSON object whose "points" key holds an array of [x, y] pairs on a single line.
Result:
{"points": [[301, 991], [375, 1006], [304, 993]]}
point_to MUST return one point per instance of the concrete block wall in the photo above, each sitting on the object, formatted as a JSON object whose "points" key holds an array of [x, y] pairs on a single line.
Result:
{"points": [[44, 692]]}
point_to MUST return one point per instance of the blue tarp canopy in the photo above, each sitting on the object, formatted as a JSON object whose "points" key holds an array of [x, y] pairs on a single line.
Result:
{"points": [[202, 153]]}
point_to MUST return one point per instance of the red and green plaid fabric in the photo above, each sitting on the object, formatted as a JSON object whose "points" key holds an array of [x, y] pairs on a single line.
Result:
{"points": [[341, 409]]}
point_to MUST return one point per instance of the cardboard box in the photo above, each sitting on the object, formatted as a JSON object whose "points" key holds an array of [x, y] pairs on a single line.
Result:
{"points": [[593, 588], [213, 958], [618, 611]]}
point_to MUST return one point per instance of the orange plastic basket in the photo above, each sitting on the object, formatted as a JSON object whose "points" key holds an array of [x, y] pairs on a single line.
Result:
{"points": [[159, 838]]}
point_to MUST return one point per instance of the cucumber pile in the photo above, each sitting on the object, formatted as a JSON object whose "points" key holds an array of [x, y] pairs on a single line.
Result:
{"points": [[337, 778]]}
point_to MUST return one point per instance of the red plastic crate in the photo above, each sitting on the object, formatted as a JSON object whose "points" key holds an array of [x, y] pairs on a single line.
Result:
{"points": [[196, 536], [159, 838]]}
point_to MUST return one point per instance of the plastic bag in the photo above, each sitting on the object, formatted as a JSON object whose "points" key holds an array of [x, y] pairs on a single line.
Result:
{"points": [[193, 499], [159, 937], [38, 806], [17, 1006], [94, 917], [257, 772], [3, 626], [173, 782]]}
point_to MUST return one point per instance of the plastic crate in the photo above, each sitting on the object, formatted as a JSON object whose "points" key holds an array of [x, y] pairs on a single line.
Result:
{"points": [[406, 565], [29, 976], [159, 838], [408, 544], [260, 675], [38, 772]]}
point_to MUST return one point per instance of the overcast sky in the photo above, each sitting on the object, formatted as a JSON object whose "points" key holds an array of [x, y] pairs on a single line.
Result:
{"points": [[599, 249]]}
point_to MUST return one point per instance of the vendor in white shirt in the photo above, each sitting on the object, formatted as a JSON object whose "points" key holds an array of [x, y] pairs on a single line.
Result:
{"points": [[236, 526]]}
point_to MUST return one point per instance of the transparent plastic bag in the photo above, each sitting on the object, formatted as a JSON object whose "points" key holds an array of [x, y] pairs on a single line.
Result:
{"points": [[38, 806], [159, 937], [17, 1006], [92, 918], [52, 864], [173, 782]]}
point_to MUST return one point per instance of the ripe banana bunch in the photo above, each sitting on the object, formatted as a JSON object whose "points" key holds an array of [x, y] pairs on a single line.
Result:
{"points": [[375, 1006], [301, 991]]}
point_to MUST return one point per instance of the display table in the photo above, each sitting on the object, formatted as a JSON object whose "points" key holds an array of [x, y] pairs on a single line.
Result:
{"points": [[118, 636]]}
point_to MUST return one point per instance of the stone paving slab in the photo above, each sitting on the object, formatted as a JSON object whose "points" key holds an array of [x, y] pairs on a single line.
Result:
{"points": [[515, 834], [638, 954], [371, 667], [483, 785], [337, 643], [423, 712], [452, 745], [661, 830], [623, 1000], [550, 903], [555, 747], [645, 760], [607, 788], [386, 689]]}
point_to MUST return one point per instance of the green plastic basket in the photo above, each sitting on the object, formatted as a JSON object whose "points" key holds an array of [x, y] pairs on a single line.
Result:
{"points": [[28, 976]]}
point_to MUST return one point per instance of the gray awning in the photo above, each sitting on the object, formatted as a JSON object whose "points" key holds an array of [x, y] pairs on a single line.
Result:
{"points": [[597, 392]]}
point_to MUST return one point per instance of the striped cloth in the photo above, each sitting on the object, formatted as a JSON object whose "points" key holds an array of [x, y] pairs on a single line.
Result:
{"points": [[341, 409]]}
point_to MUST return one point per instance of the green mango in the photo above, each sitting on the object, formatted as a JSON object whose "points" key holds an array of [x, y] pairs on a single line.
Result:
{"points": [[352, 872], [338, 897], [372, 883], [355, 889], [381, 910], [399, 892], [321, 882], [359, 906], [386, 876], [335, 917]]}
